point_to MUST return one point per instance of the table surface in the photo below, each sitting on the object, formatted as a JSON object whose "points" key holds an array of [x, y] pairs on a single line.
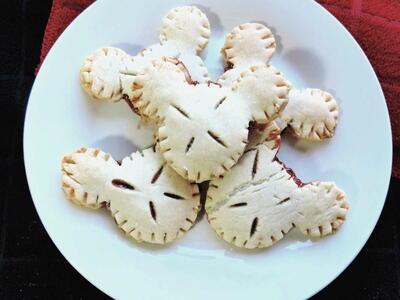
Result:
{"points": [[32, 267]]}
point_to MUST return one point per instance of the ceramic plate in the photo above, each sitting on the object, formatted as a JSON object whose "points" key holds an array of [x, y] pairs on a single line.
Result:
{"points": [[314, 50]]}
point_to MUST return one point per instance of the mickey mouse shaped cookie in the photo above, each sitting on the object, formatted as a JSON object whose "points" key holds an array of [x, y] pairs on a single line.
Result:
{"points": [[260, 199], [310, 114], [147, 199], [108, 73], [203, 128]]}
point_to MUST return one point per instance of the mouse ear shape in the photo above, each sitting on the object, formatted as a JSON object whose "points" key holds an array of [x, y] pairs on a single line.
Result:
{"points": [[321, 208], [265, 90], [83, 172], [249, 44], [107, 73], [159, 85], [311, 114], [186, 26]]}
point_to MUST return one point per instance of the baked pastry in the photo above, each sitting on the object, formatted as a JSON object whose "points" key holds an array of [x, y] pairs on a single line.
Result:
{"points": [[147, 199], [249, 44], [311, 114], [260, 200], [227, 131]]}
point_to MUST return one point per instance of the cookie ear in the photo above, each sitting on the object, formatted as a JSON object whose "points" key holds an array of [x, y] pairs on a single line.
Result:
{"points": [[249, 44], [265, 90], [186, 26], [321, 208], [157, 86], [107, 74], [83, 172], [311, 114]]}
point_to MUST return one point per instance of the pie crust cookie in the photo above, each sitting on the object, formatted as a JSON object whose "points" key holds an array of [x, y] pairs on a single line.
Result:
{"points": [[203, 128], [260, 200], [249, 44], [188, 27], [311, 114], [108, 73], [147, 199]]}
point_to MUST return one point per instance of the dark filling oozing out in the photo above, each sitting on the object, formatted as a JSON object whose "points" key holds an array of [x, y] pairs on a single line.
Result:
{"points": [[125, 97], [292, 174], [274, 135], [183, 68], [209, 82], [228, 66]]}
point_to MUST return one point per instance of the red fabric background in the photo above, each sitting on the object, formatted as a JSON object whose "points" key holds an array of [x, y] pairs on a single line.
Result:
{"points": [[375, 24]]}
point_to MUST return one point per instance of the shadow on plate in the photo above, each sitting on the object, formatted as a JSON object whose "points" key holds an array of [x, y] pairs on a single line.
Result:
{"points": [[303, 145], [278, 38], [308, 65], [132, 49], [118, 146], [213, 18]]}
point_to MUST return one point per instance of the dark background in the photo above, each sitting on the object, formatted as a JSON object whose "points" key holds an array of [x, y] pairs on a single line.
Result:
{"points": [[32, 267]]}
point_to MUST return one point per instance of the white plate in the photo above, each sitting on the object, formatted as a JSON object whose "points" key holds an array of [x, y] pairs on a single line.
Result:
{"points": [[314, 50]]}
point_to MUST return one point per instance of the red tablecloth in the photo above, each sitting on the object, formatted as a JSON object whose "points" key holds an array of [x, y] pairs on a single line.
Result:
{"points": [[374, 23]]}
